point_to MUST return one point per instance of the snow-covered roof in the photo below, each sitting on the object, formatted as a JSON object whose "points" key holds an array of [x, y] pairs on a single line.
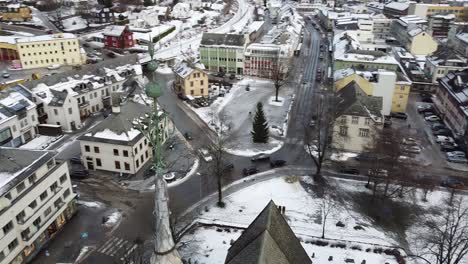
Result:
{"points": [[255, 26], [411, 19], [447, 16], [463, 37], [114, 31], [12, 101], [398, 5], [46, 37], [184, 69]]}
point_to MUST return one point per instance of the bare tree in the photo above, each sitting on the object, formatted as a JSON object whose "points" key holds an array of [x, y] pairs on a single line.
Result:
{"points": [[319, 134], [278, 73], [327, 206], [446, 239]]}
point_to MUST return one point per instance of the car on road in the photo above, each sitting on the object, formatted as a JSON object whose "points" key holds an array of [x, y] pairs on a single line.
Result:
{"points": [[349, 170], [399, 115], [432, 118], [79, 173], [457, 159], [249, 171], [188, 136], [277, 163], [5, 74], [441, 139], [111, 54], [452, 183], [75, 160], [54, 67], [260, 157], [413, 149], [312, 123], [442, 132], [205, 154], [169, 177], [378, 172]]}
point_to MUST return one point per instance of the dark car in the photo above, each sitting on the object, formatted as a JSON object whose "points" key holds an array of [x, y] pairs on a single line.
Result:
{"points": [[182, 97], [448, 147], [259, 157], [427, 100], [188, 136], [349, 170], [365, 157], [425, 95], [452, 183], [387, 122], [229, 167], [399, 115], [79, 173], [249, 171], [76, 160], [442, 132], [111, 55], [232, 76], [438, 126], [277, 163]]}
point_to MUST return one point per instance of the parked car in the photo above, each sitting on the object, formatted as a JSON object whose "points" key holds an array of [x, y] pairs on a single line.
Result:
{"points": [[409, 142], [429, 113], [378, 172], [229, 167], [75, 160], [349, 170], [5, 74], [54, 67], [424, 108], [365, 157], [432, 118], [452, 183], [441, 139], [399, 115], [79, 173], [449, 147], [312, 123], [437, 126], [249, 171], [205, 154], [455, 154], [442, 132], [169, 177], [427, 100], [188, 136], [387, 122], [457, 159], [259, 157], [413, 149], [277, 163]]}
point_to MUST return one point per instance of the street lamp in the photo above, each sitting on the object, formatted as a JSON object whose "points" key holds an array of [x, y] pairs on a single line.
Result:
{"points": [[164, 250]]}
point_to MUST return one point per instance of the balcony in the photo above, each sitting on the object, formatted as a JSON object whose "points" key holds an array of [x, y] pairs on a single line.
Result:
{"points": [[83, 104]]}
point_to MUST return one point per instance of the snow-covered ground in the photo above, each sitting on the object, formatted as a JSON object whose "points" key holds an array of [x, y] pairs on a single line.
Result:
{"points": [[40, 142], [90, 204], [113, 219], [73, 24], [303, 215]]}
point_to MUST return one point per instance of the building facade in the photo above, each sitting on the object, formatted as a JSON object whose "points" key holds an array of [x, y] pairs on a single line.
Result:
{"points": [[18, 118], [441, 63], [395, 9], [439, 25], [382, 24], [36, 202], [190, 80], [223, 52], [118, 37], [265, 60], [15, 12], [116, 145], [458, 8], [409, 32]]}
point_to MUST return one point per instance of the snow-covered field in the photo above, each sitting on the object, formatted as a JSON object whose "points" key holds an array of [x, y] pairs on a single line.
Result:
{"points": [[208, 245]]}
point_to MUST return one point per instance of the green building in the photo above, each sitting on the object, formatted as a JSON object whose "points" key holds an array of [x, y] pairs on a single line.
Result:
{"points": [[223, 52]]}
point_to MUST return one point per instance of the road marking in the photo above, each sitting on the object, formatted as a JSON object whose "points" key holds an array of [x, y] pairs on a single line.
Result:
{"points": [[129, 252], [116, 248], [107, 244]]}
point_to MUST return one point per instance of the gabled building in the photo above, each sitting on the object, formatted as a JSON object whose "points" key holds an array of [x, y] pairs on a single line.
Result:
{"points": [[452, 101], [268, 240], [18, 117], [359, 117], [190, 80], [444, 61], [118, 37], [396, 9], [102, 16], [36, 201], [115, 144], [409, 32], [223, 52]]}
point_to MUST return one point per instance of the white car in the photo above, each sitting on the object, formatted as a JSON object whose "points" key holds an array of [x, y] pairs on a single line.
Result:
{"points": [[409, 141], [432, 118], [205, 154], [54, 67], [413, 149], [441, 139], [378, 172], [457, 154]]}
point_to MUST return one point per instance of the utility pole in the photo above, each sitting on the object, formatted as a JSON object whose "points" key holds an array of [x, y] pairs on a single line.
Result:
{"points": [[164, 250]]}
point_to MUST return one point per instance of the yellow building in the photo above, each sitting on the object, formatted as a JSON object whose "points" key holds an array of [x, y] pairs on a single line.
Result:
{"points": [[425, 10], [190, 80], [393, 87], [15, 12], [47, 50]]}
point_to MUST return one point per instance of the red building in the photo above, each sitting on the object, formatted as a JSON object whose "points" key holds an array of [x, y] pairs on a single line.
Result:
{"points": [[118, 37]]}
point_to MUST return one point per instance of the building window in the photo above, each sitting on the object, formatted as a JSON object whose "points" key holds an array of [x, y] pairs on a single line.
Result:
{"points": [[37, 222], [47, 211], [32, 179], [201, 91], [136, 150], [63, 178], [191, 84], [343, 130], [66, 193], [355, 120], [142, 159], [368, 121], [191, 92], [127, 166], [201, 82], [117, 165], [8, 196], [87, 148], [25, 234], [98, 163], [96, 149], [7, 228], [20, 217], [54, 186], [343, 120], [13, 245], [20, 187], [70, 111], [363, 132], [125, 153], [141, 145], [146, 153], [33, 204], [116, 152], [58, 203], [43, 196]]}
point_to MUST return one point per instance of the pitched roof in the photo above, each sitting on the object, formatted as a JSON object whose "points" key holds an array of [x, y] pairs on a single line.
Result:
{"points": [[223, 39], [184, 69], [114, 31], [353, 101], [268, 240]]}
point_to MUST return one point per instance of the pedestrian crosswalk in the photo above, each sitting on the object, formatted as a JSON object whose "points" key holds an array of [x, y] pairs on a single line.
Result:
{"points": [[117, 247]]}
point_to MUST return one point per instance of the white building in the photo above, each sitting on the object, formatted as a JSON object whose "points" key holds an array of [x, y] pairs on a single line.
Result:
{"points": [[261, 60], [441, 63], [382, 26], [36, 200], [116, 145], [181, 10], [69, 100], [144, 18], [18, 117]]}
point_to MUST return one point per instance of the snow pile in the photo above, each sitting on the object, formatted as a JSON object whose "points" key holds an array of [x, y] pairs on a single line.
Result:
{"points": [[113, 219], [73, 24], [272, 101], [90, 204], [343, 156], [164, 69], [273, 146]]}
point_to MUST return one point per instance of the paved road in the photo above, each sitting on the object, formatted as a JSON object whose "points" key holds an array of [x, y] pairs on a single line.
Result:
{"points": [[45, 20]]}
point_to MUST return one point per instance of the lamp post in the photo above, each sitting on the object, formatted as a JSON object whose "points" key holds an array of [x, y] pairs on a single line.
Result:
{"points": [[164, 250]]}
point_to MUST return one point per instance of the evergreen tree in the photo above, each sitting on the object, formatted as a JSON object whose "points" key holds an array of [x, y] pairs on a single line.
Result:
{"points": [[260, 126]]}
